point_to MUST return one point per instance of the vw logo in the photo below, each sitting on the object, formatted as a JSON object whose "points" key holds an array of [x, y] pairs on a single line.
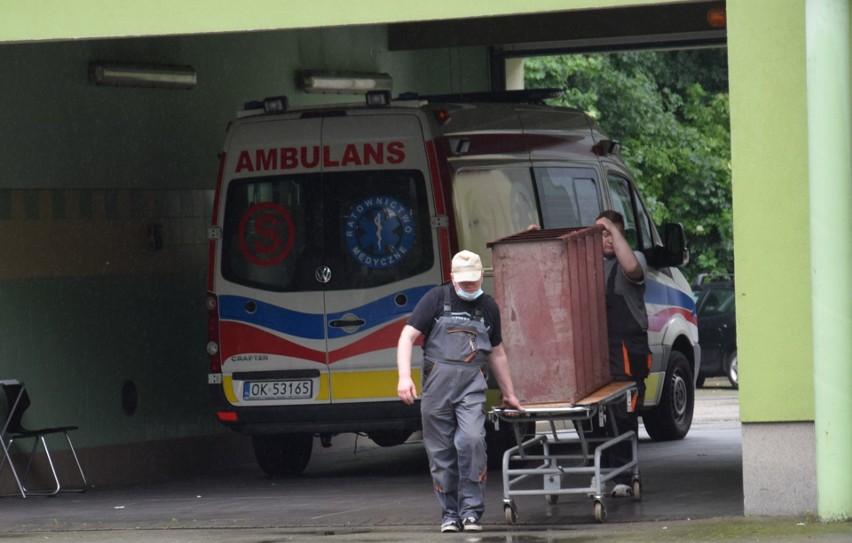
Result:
{"points": [[323, 274]]}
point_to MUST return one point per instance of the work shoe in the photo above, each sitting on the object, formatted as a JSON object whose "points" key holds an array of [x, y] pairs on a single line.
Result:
{"points": [[471, 524], [450, 526], [622, 491]]}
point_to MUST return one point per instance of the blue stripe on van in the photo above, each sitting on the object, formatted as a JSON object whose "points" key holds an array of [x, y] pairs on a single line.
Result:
{"points": [[310, 325], [662, 294]]}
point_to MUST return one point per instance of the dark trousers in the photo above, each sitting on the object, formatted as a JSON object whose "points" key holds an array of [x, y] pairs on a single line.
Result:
{"points": [[619, 420]]}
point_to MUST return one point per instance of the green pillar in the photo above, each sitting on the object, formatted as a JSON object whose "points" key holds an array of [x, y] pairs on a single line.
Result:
{"points": [[829, 92]]}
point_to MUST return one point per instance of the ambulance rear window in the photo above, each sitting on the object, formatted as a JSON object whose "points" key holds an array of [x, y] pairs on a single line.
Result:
{"points": [[331, 231]]}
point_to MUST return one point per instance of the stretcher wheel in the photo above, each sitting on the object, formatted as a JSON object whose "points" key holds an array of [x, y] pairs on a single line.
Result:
{"points": [[551, 499], [637, 490], [600, 511], [510, 514]]}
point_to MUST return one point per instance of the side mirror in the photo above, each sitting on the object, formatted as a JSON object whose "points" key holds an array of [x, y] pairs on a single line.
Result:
{"points": [[674, 251]]}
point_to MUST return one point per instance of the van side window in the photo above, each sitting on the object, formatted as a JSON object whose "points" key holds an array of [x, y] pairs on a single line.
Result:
{"points": [[569, 196], [491, 203], [625, 200]]}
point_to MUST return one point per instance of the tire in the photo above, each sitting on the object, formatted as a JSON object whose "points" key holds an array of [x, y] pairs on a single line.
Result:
{"points": [[389, 438], [282, 455], [732, 370], [672, 417], [699, 382]]}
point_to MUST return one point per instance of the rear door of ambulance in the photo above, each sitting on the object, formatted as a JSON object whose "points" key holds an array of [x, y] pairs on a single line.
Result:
{"points": [[327, 245]]}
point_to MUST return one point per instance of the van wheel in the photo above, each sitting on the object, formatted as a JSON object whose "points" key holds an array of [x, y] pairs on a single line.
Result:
{"points": [[389, 438], [733, 370], [672, 417], [282, 455]]}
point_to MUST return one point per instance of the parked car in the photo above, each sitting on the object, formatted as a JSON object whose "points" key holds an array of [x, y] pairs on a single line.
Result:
{"points": [[717, 328]]}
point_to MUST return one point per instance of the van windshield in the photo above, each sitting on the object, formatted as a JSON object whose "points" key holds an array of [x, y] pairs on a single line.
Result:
{"points": [[331, 231]]}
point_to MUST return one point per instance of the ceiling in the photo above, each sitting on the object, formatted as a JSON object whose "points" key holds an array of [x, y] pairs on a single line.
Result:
{"points": [[669, 25]]}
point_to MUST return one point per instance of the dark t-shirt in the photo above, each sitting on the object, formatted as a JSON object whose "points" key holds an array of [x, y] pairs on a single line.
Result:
{"points": [[431, 307]]}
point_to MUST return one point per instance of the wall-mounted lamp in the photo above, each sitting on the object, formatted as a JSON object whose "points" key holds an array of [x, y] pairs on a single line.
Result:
{"points": [[160, 76], [343, 82]]}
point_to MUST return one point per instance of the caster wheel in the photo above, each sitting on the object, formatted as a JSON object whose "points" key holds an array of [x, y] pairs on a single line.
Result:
{"points": [[510, 514], [637, 490], [600, 511], [551, 499]]}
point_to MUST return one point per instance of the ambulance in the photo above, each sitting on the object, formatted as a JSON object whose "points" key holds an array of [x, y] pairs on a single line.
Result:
{"points": [[330, 223]]}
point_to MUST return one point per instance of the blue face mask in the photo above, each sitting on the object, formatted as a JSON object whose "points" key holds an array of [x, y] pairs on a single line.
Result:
{"points": [[468, 296]]}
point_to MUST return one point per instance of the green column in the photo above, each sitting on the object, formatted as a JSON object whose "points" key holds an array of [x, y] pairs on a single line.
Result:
{"points": [[830, 190]]}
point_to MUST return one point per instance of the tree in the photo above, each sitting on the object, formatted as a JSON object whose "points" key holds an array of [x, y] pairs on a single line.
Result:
{"points": [[670, 112]]}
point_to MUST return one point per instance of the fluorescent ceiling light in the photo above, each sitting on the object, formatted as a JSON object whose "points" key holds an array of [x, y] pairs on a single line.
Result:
{"points": [[142, 75], [344, 82]]}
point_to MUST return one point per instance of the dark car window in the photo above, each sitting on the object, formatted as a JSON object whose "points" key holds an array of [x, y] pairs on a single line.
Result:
{"points": [[716, 301]]}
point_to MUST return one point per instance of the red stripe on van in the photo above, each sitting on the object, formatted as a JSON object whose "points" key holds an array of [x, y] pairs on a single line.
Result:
{"points": [[440, 206], [238, 338], [384, 338], [657, 321], [444, 248], [211, 253]]}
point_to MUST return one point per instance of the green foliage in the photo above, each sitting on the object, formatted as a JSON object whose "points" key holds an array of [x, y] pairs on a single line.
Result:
{"points": [[670, 112]]}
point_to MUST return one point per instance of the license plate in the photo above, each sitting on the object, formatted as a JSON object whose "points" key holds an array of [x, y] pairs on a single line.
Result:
{"points": [[297, 389]]}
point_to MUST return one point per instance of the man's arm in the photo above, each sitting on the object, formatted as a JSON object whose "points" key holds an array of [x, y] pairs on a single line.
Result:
{"points": [[405, 388], [623, 252], [499, 363]]}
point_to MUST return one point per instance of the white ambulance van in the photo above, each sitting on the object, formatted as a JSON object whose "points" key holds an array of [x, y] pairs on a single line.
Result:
{"points": [[330, 223]]}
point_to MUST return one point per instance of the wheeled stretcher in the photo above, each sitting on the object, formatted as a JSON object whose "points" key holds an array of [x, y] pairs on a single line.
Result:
{"points": [[561, 456]]}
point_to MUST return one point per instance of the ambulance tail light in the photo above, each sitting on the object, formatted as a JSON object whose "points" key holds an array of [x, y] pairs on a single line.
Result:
{"points": [[212, 304], [226, 416]]}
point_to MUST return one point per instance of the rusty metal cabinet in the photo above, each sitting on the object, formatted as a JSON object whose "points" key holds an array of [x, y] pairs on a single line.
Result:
{"points": [[550, 288]]}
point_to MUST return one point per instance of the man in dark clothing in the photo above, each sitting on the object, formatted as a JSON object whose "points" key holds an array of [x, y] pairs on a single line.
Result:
{"points": [[627, 325], [462, 333]]}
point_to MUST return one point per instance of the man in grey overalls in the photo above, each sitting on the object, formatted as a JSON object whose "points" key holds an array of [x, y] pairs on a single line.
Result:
{"points": [[461, 325]]}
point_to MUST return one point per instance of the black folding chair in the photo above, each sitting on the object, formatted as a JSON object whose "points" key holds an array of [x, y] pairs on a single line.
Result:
{"points": [[18, 400]]}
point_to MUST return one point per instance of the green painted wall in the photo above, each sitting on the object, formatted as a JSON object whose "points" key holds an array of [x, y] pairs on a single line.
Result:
{"points": [[771, 217]]}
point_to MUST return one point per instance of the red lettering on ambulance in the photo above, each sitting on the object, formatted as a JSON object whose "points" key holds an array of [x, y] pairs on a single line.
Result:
{"points": [[313, 161], [265, 227], [350, 156], [289, 158], [373, 154], [396, 152], [308, 157], [244, 162], [326, 157], [266, 160]]}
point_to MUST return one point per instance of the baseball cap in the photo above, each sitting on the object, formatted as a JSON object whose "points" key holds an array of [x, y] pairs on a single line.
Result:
{"points": [[467, 266]]}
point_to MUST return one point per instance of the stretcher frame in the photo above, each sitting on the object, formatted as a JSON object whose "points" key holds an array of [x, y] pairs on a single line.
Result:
{"points": [[554, 467]]}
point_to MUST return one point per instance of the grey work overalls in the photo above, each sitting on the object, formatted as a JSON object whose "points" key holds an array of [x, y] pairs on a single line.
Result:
{"points": [[452, 408]]}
